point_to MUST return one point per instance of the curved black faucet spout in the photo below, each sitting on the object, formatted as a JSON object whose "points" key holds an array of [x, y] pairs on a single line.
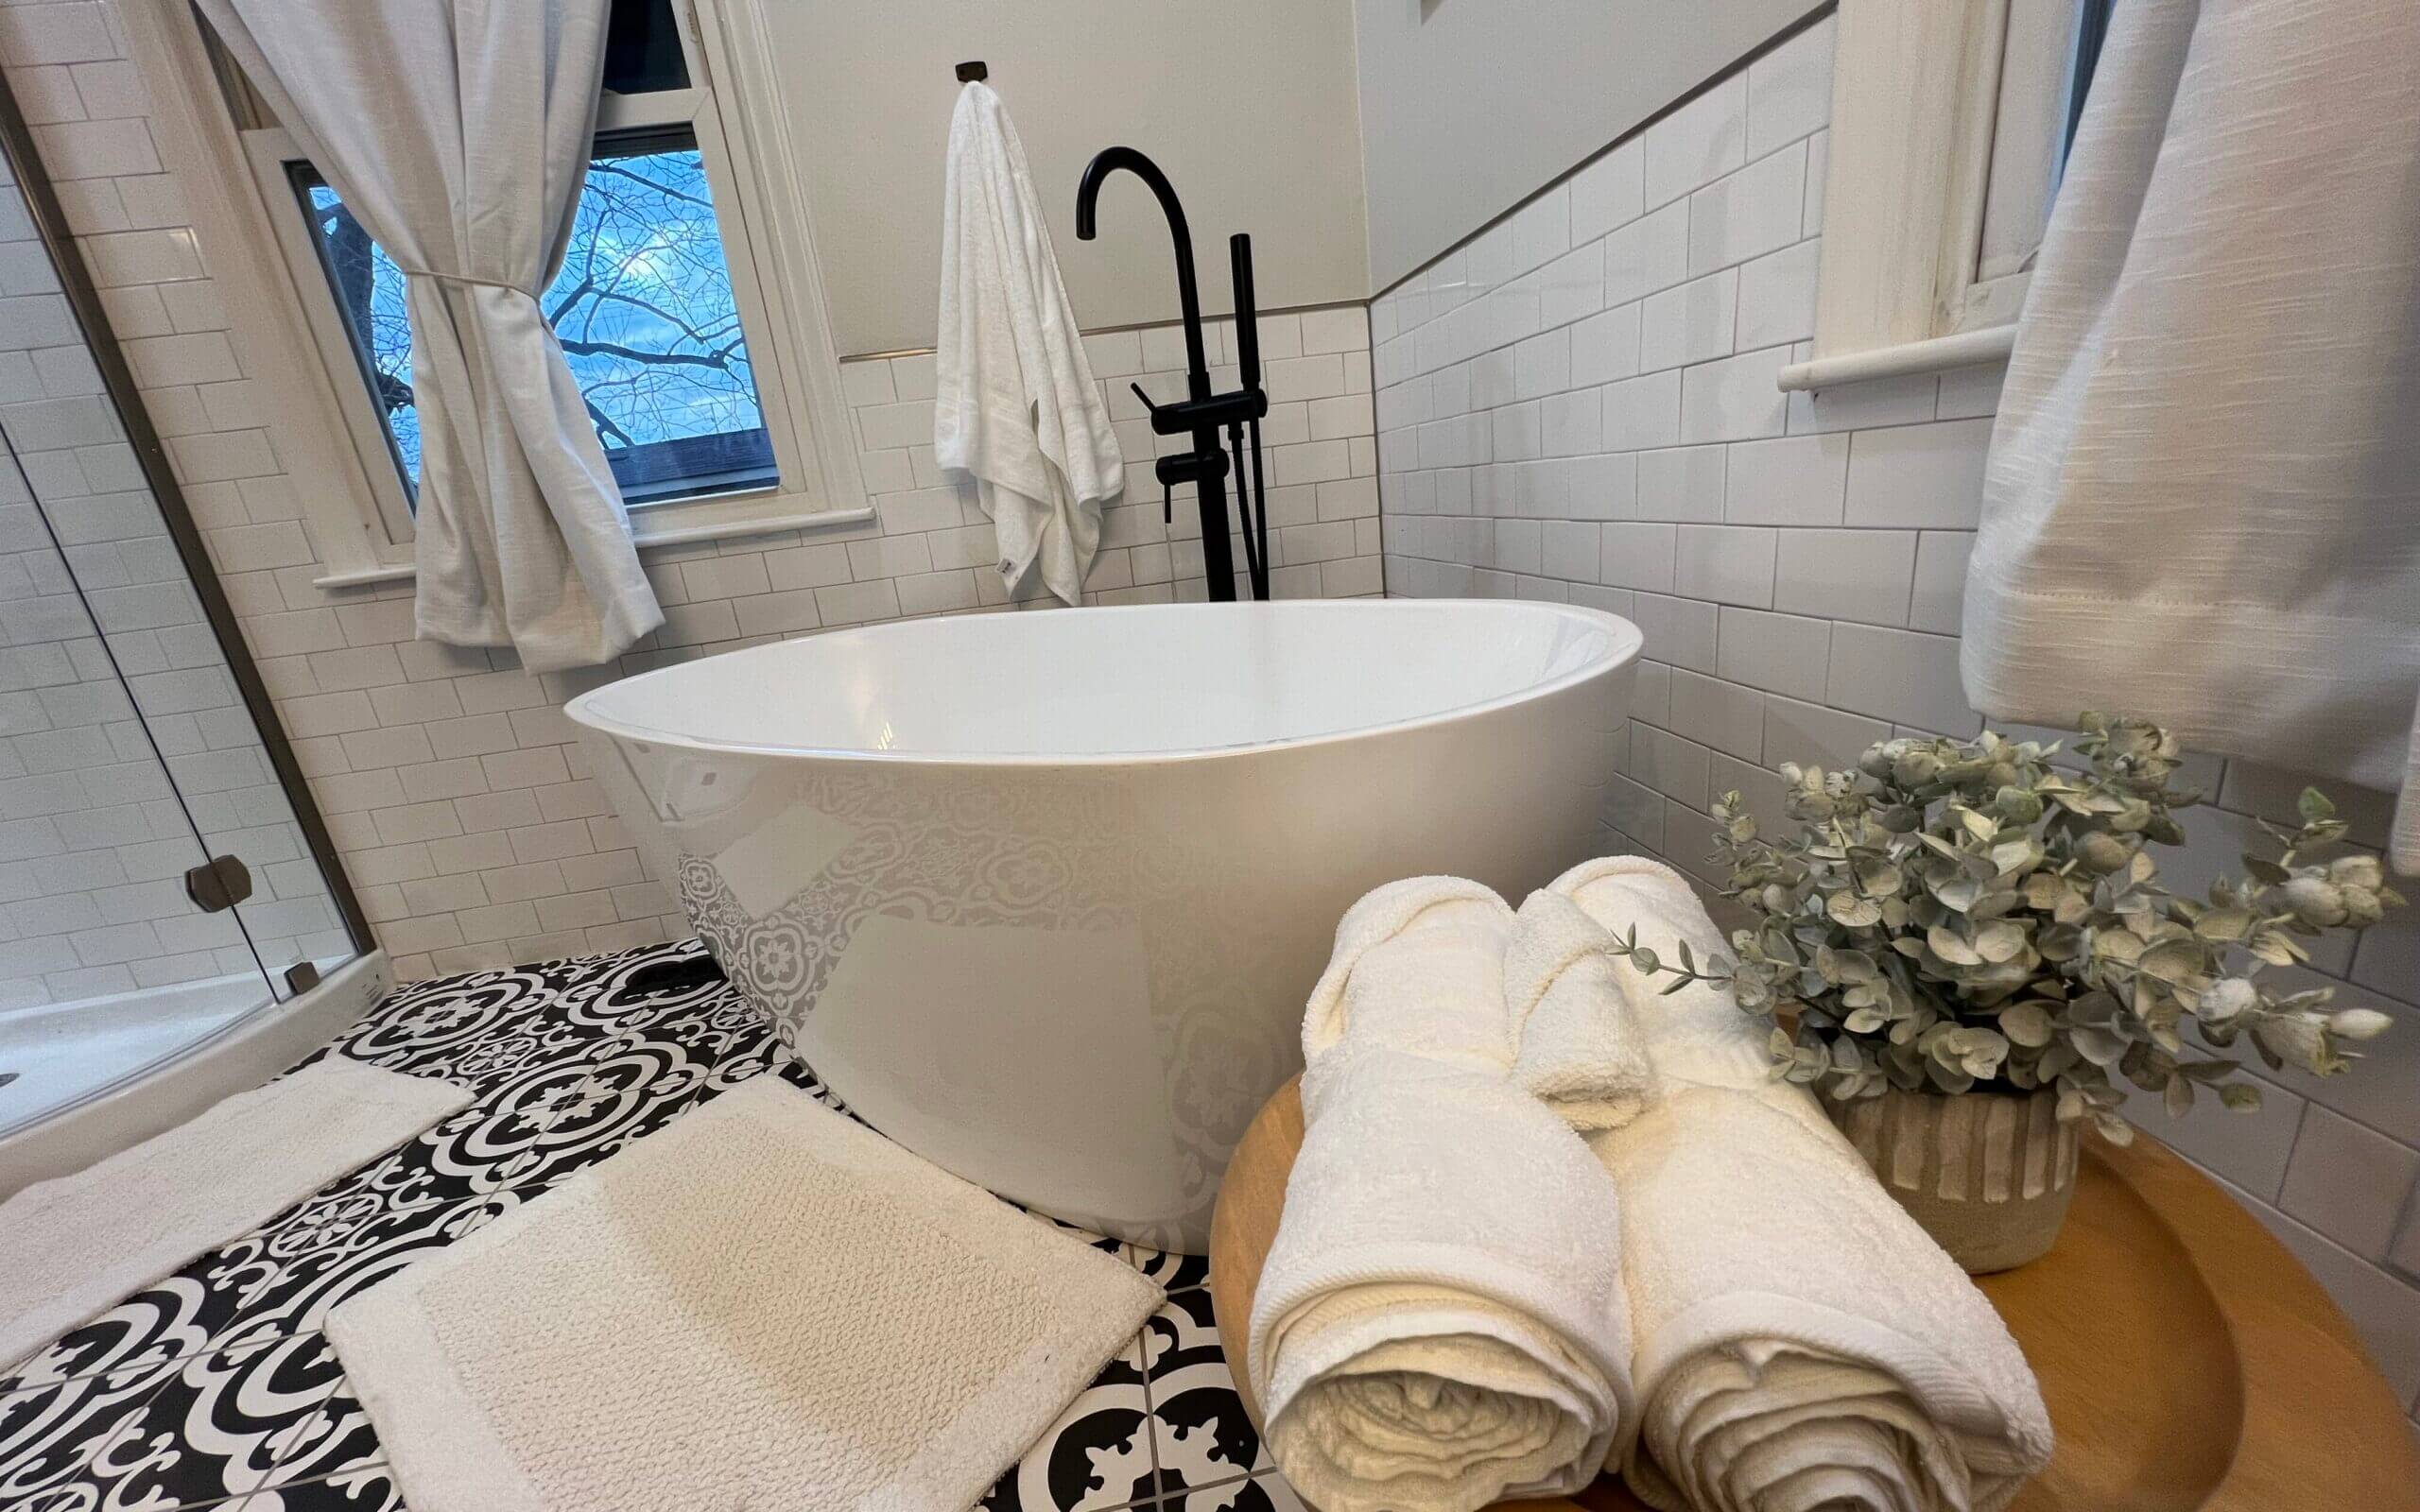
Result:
{"points": [[1206, 467], [1108, 161]]}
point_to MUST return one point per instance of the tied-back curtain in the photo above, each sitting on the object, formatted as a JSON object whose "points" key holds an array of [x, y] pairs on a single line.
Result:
{"points": [[2203, 502], [459, 133]]}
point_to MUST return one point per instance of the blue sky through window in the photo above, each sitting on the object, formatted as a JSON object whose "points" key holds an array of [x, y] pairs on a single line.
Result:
{"points": [[643, 308]]}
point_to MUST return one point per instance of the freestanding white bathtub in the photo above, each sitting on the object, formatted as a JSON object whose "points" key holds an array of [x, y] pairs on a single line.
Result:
{"points": [[1041, 895]]}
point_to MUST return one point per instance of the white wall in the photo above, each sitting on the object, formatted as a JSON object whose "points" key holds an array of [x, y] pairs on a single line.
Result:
{"points": [[1580, 405], [1468, 106], [451, 783], [1246, 105]]}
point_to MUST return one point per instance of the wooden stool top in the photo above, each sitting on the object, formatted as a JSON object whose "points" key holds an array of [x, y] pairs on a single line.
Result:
{"points": [[2187, 1359]]}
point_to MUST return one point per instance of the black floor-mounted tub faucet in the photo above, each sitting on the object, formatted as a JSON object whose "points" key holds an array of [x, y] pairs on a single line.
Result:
{"points": [[1203, 412]]}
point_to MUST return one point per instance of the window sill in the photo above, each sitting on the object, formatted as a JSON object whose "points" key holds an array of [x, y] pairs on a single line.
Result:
{"points": [[1967, 349], [403, 572]]}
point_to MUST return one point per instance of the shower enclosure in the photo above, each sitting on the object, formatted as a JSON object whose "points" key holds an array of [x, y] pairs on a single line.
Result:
{"points": [[169, 896]]}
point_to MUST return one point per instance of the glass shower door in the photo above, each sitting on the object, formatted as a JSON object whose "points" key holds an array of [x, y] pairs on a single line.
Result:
{"points": [[107, 964], [157, 887]]}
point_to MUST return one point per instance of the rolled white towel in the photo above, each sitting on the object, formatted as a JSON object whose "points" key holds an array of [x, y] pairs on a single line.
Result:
{"points": [[1801, 1343], [1413, 959], [1440, 1322], [1584, 1062], [1696, 1036]]}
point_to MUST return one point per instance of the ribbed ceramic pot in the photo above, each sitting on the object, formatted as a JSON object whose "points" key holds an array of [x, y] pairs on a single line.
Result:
{"points": [[1988, 1174]]}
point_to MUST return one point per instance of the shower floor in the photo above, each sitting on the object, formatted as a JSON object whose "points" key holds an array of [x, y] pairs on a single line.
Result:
{"points": [[216, 1388], [63, 1051]]}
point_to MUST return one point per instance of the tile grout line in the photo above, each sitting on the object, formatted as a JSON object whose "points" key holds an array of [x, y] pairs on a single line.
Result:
{"points": [[134, 1413], [302, 1443], [238, 1504], [1156, 1498], [1150, 1404]]}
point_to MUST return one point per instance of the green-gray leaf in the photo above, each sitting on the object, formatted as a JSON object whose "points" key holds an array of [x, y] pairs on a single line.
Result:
{"points": [[2025, 1023], [1953, 947], [1849, 909]]}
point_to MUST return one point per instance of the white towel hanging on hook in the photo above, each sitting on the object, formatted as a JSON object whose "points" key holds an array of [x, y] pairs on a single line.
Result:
{"points": [[1014, 403]]}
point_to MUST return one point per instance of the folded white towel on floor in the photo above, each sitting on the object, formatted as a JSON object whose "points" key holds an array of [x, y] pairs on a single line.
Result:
{"points": [[73, 1246], [1583, 1062], [1440, 1320], [763, 1304], [1801, 1343], [1014, 403]]}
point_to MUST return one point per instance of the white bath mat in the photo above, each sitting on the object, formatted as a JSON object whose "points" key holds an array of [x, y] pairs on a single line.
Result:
{"points": [[763, 1305], [73, 1247]]}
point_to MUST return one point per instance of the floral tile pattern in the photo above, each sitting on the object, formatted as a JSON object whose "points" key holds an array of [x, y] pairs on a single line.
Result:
{"points": [[1262, 1493], [1098, 1455], [48, 1433], [1174, 1272], [212, 1429], [216, 1388], [371, 1488], [1199, 1428]]}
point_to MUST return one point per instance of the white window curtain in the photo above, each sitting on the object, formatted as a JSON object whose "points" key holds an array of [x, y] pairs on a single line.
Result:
{"points": [[459, 134], [2202, 503]]}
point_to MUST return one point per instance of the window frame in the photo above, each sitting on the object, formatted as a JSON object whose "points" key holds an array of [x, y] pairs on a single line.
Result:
{"points": [[296, 340], [1949, 120]]}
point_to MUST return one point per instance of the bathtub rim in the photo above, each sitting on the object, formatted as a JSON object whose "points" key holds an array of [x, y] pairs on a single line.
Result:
{"points": [[1628, 644]]}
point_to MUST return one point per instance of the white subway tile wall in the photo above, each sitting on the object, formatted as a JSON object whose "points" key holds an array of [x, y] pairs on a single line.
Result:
{"points": [[450, 778], [1797, 563]]}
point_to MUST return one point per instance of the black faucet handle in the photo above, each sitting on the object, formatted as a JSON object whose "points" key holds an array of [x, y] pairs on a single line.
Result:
{"points": [[1147, 405], [1247, 311], [1169, 470], [1185, 467]]}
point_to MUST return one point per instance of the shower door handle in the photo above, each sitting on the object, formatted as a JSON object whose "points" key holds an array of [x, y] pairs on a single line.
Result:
{"points": [[220, 883]]}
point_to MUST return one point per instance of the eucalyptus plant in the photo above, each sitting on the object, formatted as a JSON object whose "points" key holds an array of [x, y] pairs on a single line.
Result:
{"points": [[1956, 916]]}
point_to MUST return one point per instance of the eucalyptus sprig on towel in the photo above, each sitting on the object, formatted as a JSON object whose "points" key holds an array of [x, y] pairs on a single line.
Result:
{"points": [[1959, 916]]}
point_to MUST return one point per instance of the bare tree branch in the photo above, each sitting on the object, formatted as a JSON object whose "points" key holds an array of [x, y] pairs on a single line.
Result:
{"points": [[643, 308]]}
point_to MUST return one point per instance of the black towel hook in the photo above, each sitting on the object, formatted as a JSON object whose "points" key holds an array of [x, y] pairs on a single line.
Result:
{"points": [[970, 72]]}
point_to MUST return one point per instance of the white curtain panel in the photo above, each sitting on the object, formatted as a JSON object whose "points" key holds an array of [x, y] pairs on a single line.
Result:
{"points": [[2203, 496], [458, 132]]}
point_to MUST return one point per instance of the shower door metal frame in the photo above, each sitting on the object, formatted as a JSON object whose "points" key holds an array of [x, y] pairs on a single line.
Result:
{"points": [[117, 380]]}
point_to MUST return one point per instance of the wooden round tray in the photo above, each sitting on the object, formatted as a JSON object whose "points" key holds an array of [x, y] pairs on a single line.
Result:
{"points": [[2187, 1359]]}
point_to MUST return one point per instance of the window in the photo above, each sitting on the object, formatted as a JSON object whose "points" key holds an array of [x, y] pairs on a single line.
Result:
{"points": [[1951, 121], [2092, 32], [689, 307], [643, 49], [644, 309], [2045, 67]]}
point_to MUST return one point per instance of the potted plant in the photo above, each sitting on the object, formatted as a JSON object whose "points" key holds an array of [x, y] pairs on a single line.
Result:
{"points": [[1966, 947]]}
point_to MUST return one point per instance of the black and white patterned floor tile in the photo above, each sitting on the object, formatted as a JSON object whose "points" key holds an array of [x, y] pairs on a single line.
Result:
{"points": [[215, 1389], [1198, 1421], [1174, 1272]]}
